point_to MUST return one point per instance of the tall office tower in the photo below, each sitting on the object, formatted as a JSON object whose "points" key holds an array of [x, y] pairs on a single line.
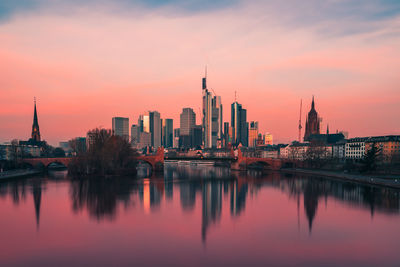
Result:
{"points": [[227, 138], [253, 133], [239, 124], [196, 135], [150, 122], [212, 117], [155, 128], [176, 137], [135, 135], [145, 140], [220, 130], [120, 127], [188, 120], [167, 133], [312, 122]]}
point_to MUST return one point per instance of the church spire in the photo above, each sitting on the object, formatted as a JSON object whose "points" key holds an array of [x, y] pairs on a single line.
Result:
{"points": [[35, 125], [312, 104]]}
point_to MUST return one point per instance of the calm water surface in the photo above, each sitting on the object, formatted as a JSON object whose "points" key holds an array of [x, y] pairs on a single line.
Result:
{"points": [[198, 215]]}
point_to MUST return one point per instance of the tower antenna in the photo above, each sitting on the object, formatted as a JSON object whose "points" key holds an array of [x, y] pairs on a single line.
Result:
{"points": [[235, 96], [301, 103]]}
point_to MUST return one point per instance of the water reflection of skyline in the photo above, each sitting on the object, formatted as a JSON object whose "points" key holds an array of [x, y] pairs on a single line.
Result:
{"points": [[212, 188]]}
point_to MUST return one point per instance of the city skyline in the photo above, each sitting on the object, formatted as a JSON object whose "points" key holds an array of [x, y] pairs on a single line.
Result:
{"points": [[348, 62]]}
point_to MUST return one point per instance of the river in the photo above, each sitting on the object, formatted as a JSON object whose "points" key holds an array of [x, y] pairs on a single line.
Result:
{"points": [[198, 216]]}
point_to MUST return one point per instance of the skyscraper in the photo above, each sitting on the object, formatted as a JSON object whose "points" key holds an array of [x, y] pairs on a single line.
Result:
{"points": [[155, 128], [227, 138], [239, 124], [176, 137], [120, 127], [187, 122], [312, 122], [151, 123], [135, 134], [253, 133], [212, 116], [167, 133]]}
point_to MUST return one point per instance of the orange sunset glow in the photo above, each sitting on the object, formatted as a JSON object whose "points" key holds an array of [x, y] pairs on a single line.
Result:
{"points": [[90, 62]]}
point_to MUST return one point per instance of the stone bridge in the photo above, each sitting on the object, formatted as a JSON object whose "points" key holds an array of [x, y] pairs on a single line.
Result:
{"points": [[243, 163], [155, 161]]}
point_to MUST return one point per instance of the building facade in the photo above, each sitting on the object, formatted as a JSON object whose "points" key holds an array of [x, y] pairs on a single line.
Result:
{"points": [[239, 124], [150, 122], [120, 127], [355, 148], [167, 133], [212, 117], [135, 135], [253, 133]]}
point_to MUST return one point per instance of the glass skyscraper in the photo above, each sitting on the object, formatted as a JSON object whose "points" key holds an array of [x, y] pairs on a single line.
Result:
{"points": [[212, 117], [239, 124]]}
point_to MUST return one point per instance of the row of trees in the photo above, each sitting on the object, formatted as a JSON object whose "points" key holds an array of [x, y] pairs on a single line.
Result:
{"points": [[106, 154]]}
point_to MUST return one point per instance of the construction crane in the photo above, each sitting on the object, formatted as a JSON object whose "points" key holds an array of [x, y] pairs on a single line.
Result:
{"points": [[301, 102]]}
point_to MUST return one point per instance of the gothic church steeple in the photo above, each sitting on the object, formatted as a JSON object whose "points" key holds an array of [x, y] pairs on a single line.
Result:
{"points": [[35, 126]]}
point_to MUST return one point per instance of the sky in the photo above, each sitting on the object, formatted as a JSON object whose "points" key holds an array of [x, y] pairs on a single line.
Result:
{"points": [[87, 61]]}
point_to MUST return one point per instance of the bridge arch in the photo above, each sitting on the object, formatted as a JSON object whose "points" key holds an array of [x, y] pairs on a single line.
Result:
{"points": [[260, 163], [56, 162]]}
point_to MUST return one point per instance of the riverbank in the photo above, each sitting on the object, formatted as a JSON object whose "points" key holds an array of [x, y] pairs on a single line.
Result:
{"points": [[390, 181], [17, 174]]}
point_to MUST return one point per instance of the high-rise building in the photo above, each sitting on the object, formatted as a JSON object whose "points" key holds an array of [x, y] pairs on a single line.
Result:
{"points": [[120, 127], [187, 121], [312, 122], [212, 117], [145, 140], [227, 138], [151, 123], [155, 128], [167, 133], [196, 136], [176, 137], [135, 134], [239, 124], [253, 133]]}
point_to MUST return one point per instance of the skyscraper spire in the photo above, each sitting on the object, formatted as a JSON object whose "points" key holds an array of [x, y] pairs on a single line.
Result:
{"points": [[327, 129], [204, 80], [35, 126]]}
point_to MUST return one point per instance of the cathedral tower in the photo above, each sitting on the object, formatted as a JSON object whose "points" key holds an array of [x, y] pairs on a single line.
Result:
{"points": [[312, 122]]}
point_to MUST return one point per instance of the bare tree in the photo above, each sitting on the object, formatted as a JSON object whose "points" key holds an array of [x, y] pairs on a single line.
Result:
{"points": [[106, 154]]}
